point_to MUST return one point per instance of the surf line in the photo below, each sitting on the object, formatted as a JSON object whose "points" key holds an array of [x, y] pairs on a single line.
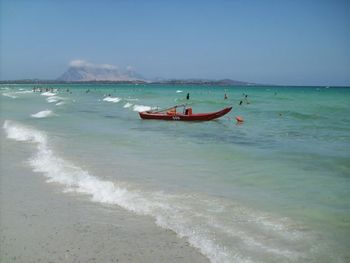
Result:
{"points": [[77, 180]]}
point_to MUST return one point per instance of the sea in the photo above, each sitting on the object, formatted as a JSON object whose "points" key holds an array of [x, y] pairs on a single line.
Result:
{"points": [[274, 188]]}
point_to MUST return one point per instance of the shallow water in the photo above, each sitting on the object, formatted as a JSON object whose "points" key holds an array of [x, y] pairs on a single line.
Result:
{"points": [[274, 189]]}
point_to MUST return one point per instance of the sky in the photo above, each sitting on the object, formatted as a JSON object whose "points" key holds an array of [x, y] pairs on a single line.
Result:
{"points": [[295, 42]]}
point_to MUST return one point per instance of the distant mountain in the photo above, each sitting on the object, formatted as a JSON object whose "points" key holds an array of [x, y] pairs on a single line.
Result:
{"points": [[223, 82], [81, 71], [232, 82], [61, 80]]}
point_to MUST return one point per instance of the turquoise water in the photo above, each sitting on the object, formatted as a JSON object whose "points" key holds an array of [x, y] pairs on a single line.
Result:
{"points": [[273, 189]]}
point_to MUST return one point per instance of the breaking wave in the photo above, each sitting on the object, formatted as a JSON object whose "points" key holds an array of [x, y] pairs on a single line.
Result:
{"points": [[14, 94], [24, 91], [127, 105], [10, 95], [52, 99], [42, 114], [112, 99], [47, 93]]}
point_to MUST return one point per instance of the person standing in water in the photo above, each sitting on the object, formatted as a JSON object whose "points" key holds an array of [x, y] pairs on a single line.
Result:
{"points": [[225, 97], [246, 99], [188, 96]]}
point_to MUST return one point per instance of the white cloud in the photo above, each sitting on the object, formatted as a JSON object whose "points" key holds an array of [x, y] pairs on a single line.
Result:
{"points": [[79, 63]]}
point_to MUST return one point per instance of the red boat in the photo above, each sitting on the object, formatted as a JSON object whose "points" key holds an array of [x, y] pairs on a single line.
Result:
{"points": [[170, 114]]}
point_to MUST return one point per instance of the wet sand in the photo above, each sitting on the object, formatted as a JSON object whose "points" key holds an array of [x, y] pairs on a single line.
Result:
{"points": [[39, 223]]}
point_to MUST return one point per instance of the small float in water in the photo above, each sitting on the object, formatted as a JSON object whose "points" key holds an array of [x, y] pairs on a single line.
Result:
{"points": [[239, 119]]}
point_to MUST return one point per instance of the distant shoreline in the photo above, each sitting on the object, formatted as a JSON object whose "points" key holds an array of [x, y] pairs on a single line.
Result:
{"points": [[170, 82]]}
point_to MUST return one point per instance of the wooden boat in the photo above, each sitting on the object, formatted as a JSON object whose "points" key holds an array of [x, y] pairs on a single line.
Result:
{"points": [[170, 114]]}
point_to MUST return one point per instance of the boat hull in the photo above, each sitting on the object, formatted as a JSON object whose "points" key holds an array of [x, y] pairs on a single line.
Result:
{"points": [[183, 117]]}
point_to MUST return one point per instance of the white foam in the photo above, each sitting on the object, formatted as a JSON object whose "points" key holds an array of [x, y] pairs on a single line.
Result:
{"points": [[47, 93], [112, 99], [21, 133], [141, 108], [251, 241], [60, 103], [52, 99], [42, 114], [127, 105], [14, 94], [179, 91], [10, 95], [24, 91]]}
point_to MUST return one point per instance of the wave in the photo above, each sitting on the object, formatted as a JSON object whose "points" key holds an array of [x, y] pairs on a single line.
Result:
{"points": [[52, 99], [42, 114], [127, 105], [223, 231], [60, 103], [14, 94], [10, 95], [23, 91], [47, 93], [112, 99], [179, 91]]}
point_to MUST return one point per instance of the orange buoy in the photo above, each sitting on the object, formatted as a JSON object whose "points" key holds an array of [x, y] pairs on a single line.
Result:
{"points": [[239, 119]]}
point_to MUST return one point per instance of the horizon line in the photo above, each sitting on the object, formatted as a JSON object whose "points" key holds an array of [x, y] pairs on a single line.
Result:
{"points": [[190, 81]]}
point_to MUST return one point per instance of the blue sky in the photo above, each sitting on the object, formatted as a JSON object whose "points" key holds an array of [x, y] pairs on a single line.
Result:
{"points": [[301, 42]]}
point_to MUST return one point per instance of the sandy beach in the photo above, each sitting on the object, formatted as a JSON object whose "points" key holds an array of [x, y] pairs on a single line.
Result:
{"points": [[41, 224]]}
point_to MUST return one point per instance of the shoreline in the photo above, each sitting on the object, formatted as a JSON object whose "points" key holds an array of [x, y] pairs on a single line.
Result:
{"points": [[184, 83], [39, 223]]}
